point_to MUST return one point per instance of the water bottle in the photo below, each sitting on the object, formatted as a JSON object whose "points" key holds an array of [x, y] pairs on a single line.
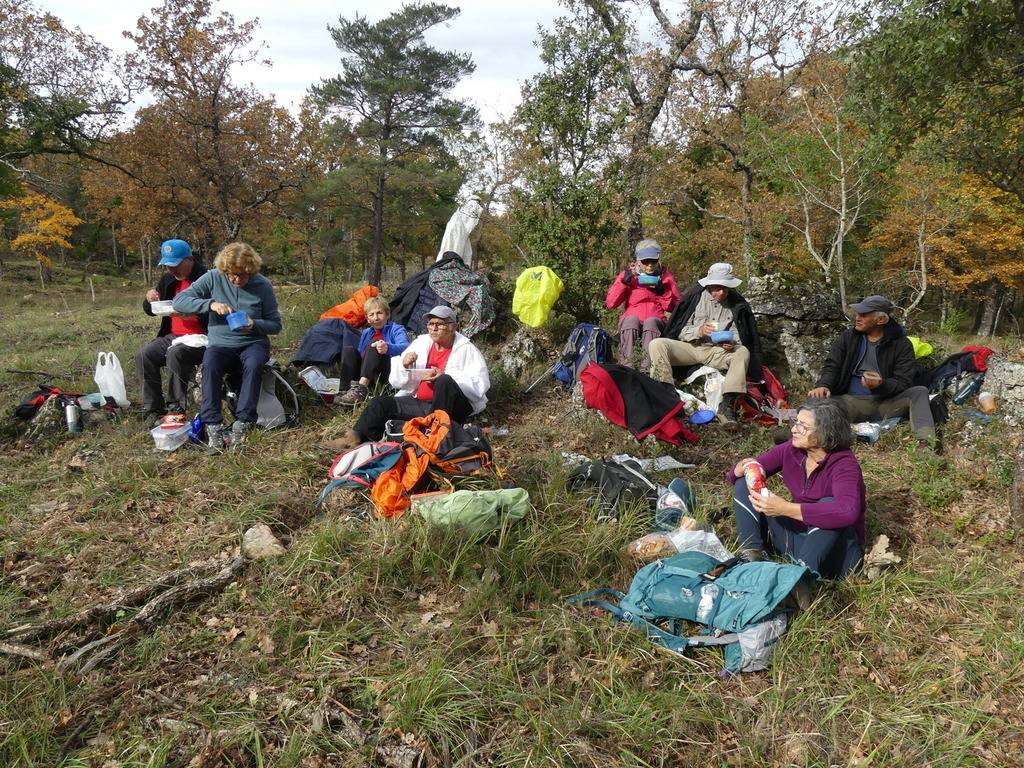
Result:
{"points": [[73, 417], [968, 389]]}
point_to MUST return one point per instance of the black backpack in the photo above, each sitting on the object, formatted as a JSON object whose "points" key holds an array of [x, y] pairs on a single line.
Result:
{"points": [[614, 485]]}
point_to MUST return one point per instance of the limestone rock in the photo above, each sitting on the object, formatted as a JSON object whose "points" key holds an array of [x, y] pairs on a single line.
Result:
{"points": [[259, 543], [518, 352], [1005, 380], [797, 321]]}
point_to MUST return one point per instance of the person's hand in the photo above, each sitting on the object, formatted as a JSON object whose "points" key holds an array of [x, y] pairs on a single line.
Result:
{"points": [[728, 346], [248, 328], [707, 329], [741, 465], [381, 346], [771, 505], [820, 392], [220, 308], [409, 359], [434, 373], [152, 295], [871, 382]]}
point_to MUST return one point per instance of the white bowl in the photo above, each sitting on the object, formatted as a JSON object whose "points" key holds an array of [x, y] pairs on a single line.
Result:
{"points": [[162, 307]]}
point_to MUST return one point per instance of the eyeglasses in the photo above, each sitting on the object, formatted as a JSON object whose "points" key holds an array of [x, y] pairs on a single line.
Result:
{"points": [[437, 325], [799, 426]]}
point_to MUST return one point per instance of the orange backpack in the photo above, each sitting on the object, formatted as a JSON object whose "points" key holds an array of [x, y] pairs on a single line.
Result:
{"points": [[351, 311], [433, 449]]}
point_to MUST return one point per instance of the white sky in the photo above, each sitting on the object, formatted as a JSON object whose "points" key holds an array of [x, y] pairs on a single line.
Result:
{"points": [[499, 34]]}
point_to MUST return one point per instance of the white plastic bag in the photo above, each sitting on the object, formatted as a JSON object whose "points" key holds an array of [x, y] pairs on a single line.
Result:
{"points": [[110, 378], [713, 385]]}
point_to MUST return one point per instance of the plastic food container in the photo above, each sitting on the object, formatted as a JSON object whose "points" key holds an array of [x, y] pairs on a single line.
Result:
{"points": [[237, 320], [162, 307], [170, 439], [649, 279], [702, 417], [722, 337]]}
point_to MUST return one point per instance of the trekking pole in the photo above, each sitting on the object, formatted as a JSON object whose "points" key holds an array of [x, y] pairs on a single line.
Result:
{"points": [[541, 378]]}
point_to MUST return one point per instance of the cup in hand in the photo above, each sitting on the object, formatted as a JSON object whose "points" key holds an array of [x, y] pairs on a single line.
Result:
{"points": [[874, 377], [237, 321]]}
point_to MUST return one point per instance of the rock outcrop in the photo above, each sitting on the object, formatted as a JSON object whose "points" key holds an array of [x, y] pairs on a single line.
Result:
{"points": [[797, 323], [1005, 380]]}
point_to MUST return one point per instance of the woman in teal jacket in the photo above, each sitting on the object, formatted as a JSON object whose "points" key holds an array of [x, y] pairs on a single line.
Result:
{"points": [[243, 314]]}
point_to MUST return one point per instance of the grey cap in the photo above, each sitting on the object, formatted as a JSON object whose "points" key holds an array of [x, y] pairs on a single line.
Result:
{"points": [[441, 312], [720, 274], [873, 304]]}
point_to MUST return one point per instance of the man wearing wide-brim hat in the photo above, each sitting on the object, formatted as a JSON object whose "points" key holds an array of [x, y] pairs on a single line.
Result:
{"points": [[698, 333], [870, 371]]}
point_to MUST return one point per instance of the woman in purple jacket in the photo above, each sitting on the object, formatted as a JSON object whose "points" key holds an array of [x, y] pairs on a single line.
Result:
{"points": [[823, 526]]}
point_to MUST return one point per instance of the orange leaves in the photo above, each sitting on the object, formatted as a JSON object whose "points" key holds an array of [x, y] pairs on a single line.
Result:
{"points": [[44, 223]]}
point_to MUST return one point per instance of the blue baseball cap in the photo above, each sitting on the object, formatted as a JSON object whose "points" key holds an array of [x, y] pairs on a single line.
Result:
{"points": [[173, 252]]}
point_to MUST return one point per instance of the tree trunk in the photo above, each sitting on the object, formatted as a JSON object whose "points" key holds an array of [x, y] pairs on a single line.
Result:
{"points": [[748, 222], [985, 315], [998, 314]]}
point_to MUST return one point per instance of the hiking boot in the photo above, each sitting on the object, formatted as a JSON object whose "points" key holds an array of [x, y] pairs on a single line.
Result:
{"points": [[215, 442], [753, 555], [152, 419], [348, 440], [727, 415], [238, 432], [356, 394]]}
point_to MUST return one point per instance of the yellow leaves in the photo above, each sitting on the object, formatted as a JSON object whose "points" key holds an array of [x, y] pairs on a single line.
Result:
{"points": [[45, 224]]}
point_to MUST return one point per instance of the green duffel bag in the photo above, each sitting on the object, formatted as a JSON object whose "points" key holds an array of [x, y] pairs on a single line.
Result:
{"points": [[476, 511]]}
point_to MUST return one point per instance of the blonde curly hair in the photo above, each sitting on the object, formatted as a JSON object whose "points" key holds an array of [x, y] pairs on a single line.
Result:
{"points": [[236, 258]]}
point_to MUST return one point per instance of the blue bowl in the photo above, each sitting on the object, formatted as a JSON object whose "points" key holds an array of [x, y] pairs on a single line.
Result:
{"points": [[649, 279], [702, 417], [237, 320], [722, 337]]}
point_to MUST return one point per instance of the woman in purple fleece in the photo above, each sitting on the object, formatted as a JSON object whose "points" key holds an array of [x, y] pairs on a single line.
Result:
{"points": [[823, 526]]}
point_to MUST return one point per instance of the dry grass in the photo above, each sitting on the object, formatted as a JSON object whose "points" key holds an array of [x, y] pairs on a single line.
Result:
{"points": [[460, 647]]}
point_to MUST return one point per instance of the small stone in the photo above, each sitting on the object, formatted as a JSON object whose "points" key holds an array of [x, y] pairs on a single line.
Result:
{"points": [[259, 543]]}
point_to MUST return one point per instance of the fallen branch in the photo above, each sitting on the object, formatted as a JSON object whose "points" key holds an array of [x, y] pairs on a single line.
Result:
{"points": [[98, 614], [91, 655], [28, 652], [45, 374]]}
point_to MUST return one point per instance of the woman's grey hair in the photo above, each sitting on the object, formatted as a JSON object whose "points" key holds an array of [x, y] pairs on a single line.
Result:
{"points": [[831, 426]]}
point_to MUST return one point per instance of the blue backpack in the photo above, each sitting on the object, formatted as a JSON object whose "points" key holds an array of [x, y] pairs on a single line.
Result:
{"points": [[360, 467], [738, 602], [586, 344]]}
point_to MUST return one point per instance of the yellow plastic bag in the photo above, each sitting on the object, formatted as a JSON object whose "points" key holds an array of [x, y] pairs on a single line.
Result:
{"points": [[537, 290], [921, 348]]}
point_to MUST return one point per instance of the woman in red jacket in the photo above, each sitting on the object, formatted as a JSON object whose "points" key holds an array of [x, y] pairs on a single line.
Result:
{"points": [[649, 293]]}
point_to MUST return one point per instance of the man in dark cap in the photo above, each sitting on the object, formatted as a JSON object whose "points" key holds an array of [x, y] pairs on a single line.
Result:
{"points": [[870, 369]]}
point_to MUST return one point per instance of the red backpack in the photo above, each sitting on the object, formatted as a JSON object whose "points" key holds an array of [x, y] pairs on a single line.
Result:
{"points": [[762, 398]]}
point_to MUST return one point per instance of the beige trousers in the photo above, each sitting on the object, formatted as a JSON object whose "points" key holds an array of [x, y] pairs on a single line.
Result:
{"points": [[668, 352]]}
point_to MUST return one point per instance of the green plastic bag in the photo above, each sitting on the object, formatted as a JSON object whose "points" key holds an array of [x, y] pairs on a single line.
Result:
{"points": [[476, 511]]}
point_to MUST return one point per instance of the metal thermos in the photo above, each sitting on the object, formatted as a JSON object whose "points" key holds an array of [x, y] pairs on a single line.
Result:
{"points": [[73, 417]]}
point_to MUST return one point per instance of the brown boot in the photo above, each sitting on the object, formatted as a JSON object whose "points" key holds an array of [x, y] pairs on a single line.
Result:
{"points": [[356, 394], [348, 440], [727, 414]]}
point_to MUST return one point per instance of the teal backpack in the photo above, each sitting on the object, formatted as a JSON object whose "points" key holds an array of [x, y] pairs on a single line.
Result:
{"points": [[737, 602]]}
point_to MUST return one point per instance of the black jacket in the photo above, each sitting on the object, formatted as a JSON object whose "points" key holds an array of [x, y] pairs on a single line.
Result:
{"points": [[742, 319], [166, 289], [406, 296], [896, 362]]}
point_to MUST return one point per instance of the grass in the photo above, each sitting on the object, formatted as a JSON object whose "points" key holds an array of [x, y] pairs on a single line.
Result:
{"points": [[460, 646]]}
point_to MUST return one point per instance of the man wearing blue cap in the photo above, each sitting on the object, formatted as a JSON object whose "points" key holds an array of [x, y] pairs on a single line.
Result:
{"points": [[181, 359]]}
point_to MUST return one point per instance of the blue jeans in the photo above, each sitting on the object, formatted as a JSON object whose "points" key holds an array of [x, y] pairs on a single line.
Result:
{"points": [[830, 553], [220, 361]]}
